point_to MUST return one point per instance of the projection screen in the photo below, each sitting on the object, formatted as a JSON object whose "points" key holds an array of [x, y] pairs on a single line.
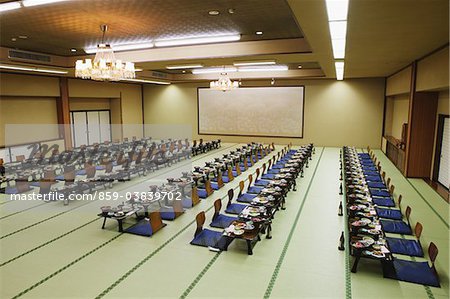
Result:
{"points": [[252, 111]]}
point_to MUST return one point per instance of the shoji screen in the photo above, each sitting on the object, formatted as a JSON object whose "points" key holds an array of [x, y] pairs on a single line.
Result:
{"points": [[444, 167]]}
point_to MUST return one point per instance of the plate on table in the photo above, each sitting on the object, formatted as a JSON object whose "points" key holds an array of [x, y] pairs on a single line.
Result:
{"points": [[374, 253], [238, 232], [249, 226], [261, 200], [265, 190]]}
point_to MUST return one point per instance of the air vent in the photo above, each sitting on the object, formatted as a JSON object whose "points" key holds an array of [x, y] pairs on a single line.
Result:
{"points": [[159, 75], [28, 56]]}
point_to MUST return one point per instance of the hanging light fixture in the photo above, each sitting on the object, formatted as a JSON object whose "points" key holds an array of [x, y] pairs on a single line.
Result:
{"points": [[105, 66], [223, 83]]}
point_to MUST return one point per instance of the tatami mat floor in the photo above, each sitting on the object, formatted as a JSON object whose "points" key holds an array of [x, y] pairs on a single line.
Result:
{"points": [[52, 251]]}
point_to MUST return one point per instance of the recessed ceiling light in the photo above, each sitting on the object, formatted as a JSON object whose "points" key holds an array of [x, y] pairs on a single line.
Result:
{"points": [[123, 47], [265, 68], [28, 3], [184, 66], [198, 40], [258, 32], [213, 12], [231, 11], [213, 70], [339, 65], [73, 50], [23, 36], [255, 62], [300, 66], [138, 70], [14, 39], [31, 69], [184, 71], [9, 6], [148, 81]]}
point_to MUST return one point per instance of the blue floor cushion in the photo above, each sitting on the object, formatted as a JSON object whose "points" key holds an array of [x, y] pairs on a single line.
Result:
{"points": [[234, 172], [383, 201], [222, 221], [278, 166], [379, 185], [202, 193], [167, 213], [209, 238], [405, 247], [255, 190], [187, 203], [246, 197], [81, 172], [373, 178], [215, 185], [268, 176], [13, 190], [395, 227], [389, 213], [142, 228], [235, 208], [100, 167], [60, 178], [416, 272], [381, 193], [273, 171], [262, 183]]}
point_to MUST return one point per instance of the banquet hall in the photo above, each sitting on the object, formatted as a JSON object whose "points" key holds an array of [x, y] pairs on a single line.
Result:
{"points": [[224, 149]]}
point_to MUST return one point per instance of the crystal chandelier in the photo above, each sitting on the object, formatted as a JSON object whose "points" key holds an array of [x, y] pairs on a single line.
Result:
{"points": [[224, 83], [105, 66]]}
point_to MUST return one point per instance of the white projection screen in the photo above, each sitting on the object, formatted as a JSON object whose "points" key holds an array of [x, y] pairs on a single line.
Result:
{"points": [[252, 111]]}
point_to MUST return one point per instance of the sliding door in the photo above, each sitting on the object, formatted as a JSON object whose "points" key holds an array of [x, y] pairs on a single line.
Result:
{"points": [[79, 129], [90, 127], [444, 167]]}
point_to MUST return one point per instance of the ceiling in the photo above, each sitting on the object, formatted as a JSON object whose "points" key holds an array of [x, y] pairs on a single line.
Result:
{"points": [[58, 27], [382, 35]]}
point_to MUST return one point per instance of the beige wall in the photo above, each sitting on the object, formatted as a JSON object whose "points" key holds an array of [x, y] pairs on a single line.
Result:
{"points": [[32, 94], [336, 113], [399, 83], [28, 85], [38, 110], [28, 99], [131, 101], [89, 104], [400, 113], [432, 71]]}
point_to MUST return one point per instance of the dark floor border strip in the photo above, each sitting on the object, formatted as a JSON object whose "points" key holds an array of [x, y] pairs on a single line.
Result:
{"points": [[47, 243], [66, 267], [201, 156], [153, 253], [42, 221], [348, 277], [429, 292], [61, 213], [99, 247], [144, 260], [428, 204], [18, 212], [200, 275], [420, 194], [291, 233]]}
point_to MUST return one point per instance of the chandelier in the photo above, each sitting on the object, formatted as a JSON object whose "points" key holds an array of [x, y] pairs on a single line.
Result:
{"points": [[105, 66], [224, 83]]}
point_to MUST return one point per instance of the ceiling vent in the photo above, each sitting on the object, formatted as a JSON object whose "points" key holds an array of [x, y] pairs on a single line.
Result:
{"points": [[28, 56], [159, 75]]}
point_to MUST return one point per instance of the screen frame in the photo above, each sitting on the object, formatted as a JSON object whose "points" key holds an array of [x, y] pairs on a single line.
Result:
{"points": [[244, 135]]}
